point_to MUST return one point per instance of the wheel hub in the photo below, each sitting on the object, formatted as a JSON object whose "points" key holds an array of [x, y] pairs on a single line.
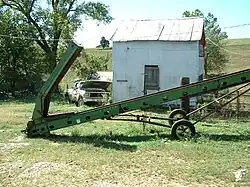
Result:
{"points": [[183, 132]]}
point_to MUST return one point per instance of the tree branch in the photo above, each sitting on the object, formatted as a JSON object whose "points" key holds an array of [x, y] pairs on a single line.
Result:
{"points": [[42, 46], [31, 6], [42, 41], [70, 7], [57, 32], [55, 4], [11, 5]]}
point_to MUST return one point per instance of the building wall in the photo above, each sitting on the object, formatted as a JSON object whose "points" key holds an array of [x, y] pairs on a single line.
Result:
{"points": [[175, 60]]}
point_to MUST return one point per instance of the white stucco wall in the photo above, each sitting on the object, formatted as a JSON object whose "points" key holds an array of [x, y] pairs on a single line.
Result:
{"points": [[175, 60]]}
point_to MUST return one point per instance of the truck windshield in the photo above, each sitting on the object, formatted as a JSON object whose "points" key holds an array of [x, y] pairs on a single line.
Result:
{"points": [[96, 84]]}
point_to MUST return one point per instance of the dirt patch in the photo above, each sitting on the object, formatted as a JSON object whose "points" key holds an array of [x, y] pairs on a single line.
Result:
{"points": [[41, 168], [176, 160], [55, 144], [6, 130], [54, 174], [59, 174], [10, 167], [117, 184], [107, 184], [17, 139], [14, 143], [6, 147]]}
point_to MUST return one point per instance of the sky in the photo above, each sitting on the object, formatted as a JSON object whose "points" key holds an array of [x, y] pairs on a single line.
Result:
{"points": [[228, 12]]}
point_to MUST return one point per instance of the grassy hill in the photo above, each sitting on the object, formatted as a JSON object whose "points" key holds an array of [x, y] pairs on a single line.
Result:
{"points": [[239, 54], [240, 41]]}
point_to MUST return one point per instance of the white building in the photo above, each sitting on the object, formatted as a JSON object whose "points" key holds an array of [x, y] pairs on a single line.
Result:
{"points": [[152, 55]]}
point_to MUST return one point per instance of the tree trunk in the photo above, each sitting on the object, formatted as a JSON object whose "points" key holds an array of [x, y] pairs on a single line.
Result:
{"points": [[13, 88]]}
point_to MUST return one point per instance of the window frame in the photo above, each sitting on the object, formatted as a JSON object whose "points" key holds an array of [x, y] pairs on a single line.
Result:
{"points": [[154, 82]]}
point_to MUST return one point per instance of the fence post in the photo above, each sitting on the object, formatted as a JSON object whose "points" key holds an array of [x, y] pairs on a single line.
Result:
{"points": [[238, 105]]}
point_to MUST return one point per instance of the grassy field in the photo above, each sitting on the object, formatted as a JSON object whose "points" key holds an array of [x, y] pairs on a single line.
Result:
{"points": [[108, 154], [242, 41], [122, 154], [239, 55]]}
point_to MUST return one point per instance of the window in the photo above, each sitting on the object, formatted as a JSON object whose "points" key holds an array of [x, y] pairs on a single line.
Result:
{"points": [[201, 51], [151, 77]]}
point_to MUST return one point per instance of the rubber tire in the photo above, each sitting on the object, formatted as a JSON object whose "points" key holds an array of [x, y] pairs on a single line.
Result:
{"points": [[80, 102], [175, 112], [185, 123]]}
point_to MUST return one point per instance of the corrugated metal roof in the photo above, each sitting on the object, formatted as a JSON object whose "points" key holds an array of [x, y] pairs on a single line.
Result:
{"points": [[185, 29]]}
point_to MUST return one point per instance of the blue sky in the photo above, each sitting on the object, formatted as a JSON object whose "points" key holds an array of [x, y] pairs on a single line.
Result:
{"points": [[228, 12]]}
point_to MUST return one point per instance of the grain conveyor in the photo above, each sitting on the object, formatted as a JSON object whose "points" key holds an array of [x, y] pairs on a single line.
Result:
{"points": [[42, 123]]}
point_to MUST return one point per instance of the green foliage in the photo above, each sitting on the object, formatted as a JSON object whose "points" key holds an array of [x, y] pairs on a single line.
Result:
{"points": [[17, 55], [104, 43], [56, 21], [216, 58], [89, 64]]}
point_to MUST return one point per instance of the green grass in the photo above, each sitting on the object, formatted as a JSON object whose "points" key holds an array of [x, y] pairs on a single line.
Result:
{"points": [[241, 41], [102, 153], [239, 58]]}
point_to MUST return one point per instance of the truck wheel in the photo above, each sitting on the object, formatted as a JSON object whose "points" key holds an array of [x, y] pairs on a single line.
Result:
{"points": [[68, 100], [177, 114], [183, 129], [80, 102]]}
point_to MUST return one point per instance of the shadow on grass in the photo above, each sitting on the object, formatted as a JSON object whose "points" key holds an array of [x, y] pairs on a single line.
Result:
{"points": [[224, 137], [121, 137], [32, 99], [27, 99], [95, 140], [115, 141], [107, 141]]}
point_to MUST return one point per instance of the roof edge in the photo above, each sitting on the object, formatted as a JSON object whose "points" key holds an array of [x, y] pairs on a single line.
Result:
{"points": [[194, 28]]}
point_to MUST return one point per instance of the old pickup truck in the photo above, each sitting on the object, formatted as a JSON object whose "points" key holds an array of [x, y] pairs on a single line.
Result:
{"points": [[90, 92]]}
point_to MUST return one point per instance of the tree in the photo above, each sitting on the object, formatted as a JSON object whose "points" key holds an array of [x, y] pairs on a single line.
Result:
{"points": [[104, 43], [56, 21], [87, 65], [17, 55], [215, 56]]}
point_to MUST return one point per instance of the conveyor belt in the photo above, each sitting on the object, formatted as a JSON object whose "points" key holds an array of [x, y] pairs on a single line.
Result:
{"points": [[61, 121], [41, 123], [243, 79]]}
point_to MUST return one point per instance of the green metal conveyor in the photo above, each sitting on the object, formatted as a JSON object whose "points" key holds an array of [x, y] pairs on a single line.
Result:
{"points": [[42, 123]]}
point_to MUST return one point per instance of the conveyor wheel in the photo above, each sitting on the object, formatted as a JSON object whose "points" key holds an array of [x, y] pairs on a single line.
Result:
{"points": [[177, 114], [183, 129]]}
